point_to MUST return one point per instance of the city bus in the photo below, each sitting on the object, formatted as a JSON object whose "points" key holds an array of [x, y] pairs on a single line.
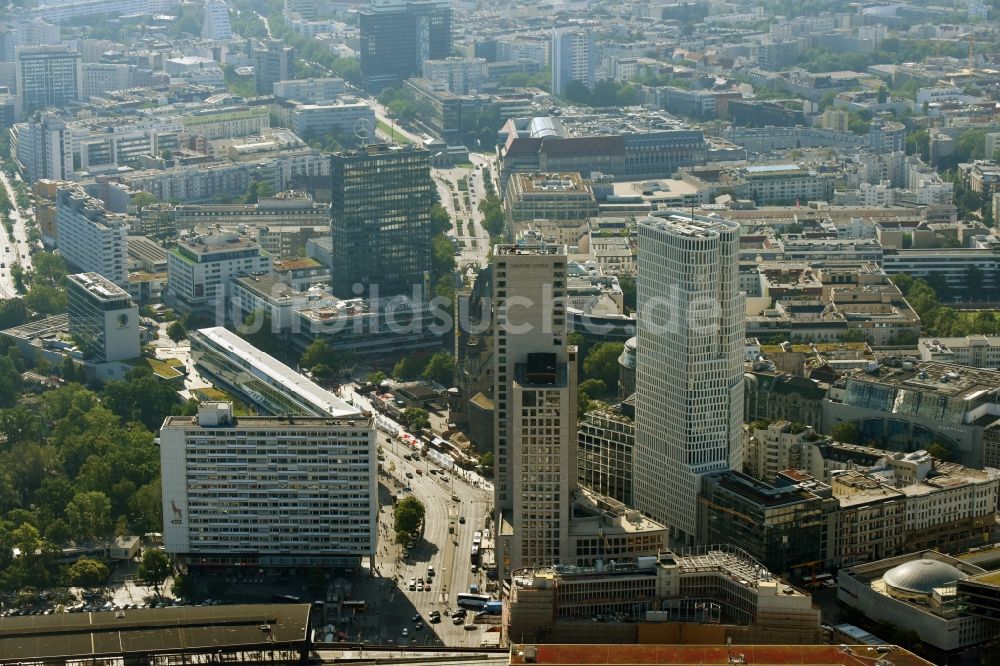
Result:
{"points": [[474, 558], [472, 601], [357, 605]]}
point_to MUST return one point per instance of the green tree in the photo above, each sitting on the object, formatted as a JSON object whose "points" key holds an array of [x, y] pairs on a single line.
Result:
{"points": [[145, 509], [577, 92], [142, 199], [183, 586], [410, 367], [376, 377], [10, 382], [58, 532], [442, 256], [602, 362], [45, 300], [441, 369], [88, 515], [154, 567], [486, 463], [846, 432], [49, 269], [143, 398], [319, 352], [629, 293], [12, 313], [942, 450], [408, 515], [86, 572], [593, 388], [494, 219], [440, 220], [416, 419], [176, 331]]}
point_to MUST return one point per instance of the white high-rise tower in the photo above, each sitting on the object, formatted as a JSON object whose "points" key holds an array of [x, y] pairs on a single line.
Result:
{"points": [[216, 26], [689, 377]]}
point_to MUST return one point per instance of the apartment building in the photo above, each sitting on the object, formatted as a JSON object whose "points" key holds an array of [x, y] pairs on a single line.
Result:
{"points": [[47, 76], [90, 238], [268, 492]]}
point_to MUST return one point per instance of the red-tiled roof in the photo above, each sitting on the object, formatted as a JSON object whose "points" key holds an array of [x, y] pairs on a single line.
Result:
{"points": [[712, 655]]}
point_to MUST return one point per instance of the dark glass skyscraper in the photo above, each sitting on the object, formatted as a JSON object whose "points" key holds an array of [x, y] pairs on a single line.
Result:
{"points": [[380, 220], [398, 36]]}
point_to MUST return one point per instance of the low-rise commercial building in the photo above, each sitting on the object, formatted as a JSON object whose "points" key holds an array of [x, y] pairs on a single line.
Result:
{"points": [[551, 196], [977, 351], [918, 591], [271, 386], [907, 405], [711, 584], [386, 329], [199, 270]]}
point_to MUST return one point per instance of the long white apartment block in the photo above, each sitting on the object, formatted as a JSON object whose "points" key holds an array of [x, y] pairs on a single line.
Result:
{"points": [[269, 492], [91, 238]]}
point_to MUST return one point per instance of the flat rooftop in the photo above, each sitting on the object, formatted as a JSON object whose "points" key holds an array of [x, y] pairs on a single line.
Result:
{"points": [[686, 225], [710, 655], [295, 263], [212, 243], [164, 630], [98, 286], [944, 379], [282, 375]]}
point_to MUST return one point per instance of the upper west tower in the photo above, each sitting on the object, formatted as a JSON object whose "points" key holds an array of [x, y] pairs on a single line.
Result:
{"points": [[689, 377]]}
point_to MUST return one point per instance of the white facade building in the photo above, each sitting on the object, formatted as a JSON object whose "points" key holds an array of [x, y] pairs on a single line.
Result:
{"points": [[573, 58], [90, 238], [310, 91], [199, 271], [977, 351], [689, 378], [268, 491], [103, 318], [101, 77], [459, 76], [216, 26], [348, 119]]}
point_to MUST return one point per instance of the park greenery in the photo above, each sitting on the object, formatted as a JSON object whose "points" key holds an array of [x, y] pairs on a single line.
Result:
{"points": [[79, 466]]}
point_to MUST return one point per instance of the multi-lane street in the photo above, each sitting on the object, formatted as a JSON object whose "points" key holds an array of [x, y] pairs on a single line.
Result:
{"points": [[15, 246], [445, 545]]}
